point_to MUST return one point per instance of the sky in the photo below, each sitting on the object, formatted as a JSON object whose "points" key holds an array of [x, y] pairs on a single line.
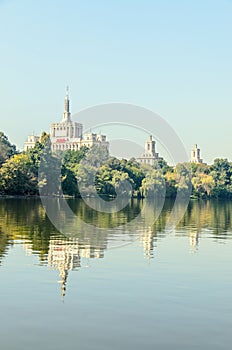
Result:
{"points": [[172, 57]]}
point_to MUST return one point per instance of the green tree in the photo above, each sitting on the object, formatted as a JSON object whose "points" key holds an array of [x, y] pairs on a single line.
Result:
{"points": [[183, 181], [161, 164], [49, 176], [17, 176], [153, 184], [203, 184], [7, 150], [221, 171], [112, 170], [70, 163]]}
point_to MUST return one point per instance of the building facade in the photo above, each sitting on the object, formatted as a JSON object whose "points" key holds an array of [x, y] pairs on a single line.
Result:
{"points": [[196, 155], [150, 155], [31, 141], [68, 134]]}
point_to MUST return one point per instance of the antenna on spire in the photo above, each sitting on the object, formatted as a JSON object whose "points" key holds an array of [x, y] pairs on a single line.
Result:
{"points": [[66, 114], [67, 90]]}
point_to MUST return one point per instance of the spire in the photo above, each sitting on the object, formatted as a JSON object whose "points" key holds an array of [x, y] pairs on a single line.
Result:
{"points": [[150, 146], [66, 114], [64, 276]]}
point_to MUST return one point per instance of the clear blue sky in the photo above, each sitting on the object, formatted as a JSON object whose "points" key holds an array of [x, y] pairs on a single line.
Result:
{"points": [[174, 57]]}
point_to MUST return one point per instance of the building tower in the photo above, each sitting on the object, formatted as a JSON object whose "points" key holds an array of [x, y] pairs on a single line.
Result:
{"points": [[150, 146], [196, 155], [150, 155], [66, 114]]}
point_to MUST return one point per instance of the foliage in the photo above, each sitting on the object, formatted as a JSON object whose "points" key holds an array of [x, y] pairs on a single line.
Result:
{"points": [[7, 150], [93, 171], [115, 176], [153, 184], [214, 180], [184, 177], [161, 164], [17, 176]]}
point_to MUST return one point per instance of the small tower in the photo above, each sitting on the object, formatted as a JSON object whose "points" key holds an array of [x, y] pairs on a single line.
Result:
{"points": [[150, 155], [196, 155], [150, 146], [66, 114]]}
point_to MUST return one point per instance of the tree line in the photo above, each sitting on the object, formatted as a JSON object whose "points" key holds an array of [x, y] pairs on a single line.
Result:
{"points": [[94, 171], [39, 231]]}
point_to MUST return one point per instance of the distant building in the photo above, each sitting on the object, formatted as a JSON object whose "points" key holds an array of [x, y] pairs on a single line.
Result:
{"points": [[31, 141], [68, 135], [150, 155], [196, 155]]}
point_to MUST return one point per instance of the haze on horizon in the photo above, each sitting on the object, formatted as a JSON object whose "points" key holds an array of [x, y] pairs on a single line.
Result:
{"points": [[174, 58]]}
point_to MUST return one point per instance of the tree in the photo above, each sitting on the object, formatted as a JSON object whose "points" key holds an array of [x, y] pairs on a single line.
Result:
{"points": [[203, 184], [71, 158], [184, 177], [221, 171], [49, 177], [161, 164], [17, 176], [115, 171], [70, 163], [153, 184], [171, 179], [7, 150]]}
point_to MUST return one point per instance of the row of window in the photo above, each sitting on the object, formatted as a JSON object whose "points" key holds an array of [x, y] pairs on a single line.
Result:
{"points": [[73, 146], [63, 128], [148, 161]]}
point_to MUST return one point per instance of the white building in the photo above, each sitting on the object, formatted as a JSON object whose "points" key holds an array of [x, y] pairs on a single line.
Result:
{"points": [[196, 155], [68, 134], [31, 141], [150, 155]]}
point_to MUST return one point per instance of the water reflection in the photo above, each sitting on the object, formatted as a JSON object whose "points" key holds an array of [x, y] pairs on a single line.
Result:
{"points": [[25, 221]]}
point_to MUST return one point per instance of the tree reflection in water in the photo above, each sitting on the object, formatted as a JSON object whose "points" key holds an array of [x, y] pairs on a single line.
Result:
{"points": [[25, 220]]}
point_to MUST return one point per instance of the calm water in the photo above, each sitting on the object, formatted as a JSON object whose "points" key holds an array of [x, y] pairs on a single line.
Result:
{"points": [[124, 283]]}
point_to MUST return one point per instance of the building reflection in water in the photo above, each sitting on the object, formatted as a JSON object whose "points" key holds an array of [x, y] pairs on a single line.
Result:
{"points": [[28, 248], [194, 240], [25, 221], [147, 240], [65, 255]]}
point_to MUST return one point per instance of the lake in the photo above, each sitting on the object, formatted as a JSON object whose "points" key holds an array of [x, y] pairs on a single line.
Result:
{"points": [[119, 280]]}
